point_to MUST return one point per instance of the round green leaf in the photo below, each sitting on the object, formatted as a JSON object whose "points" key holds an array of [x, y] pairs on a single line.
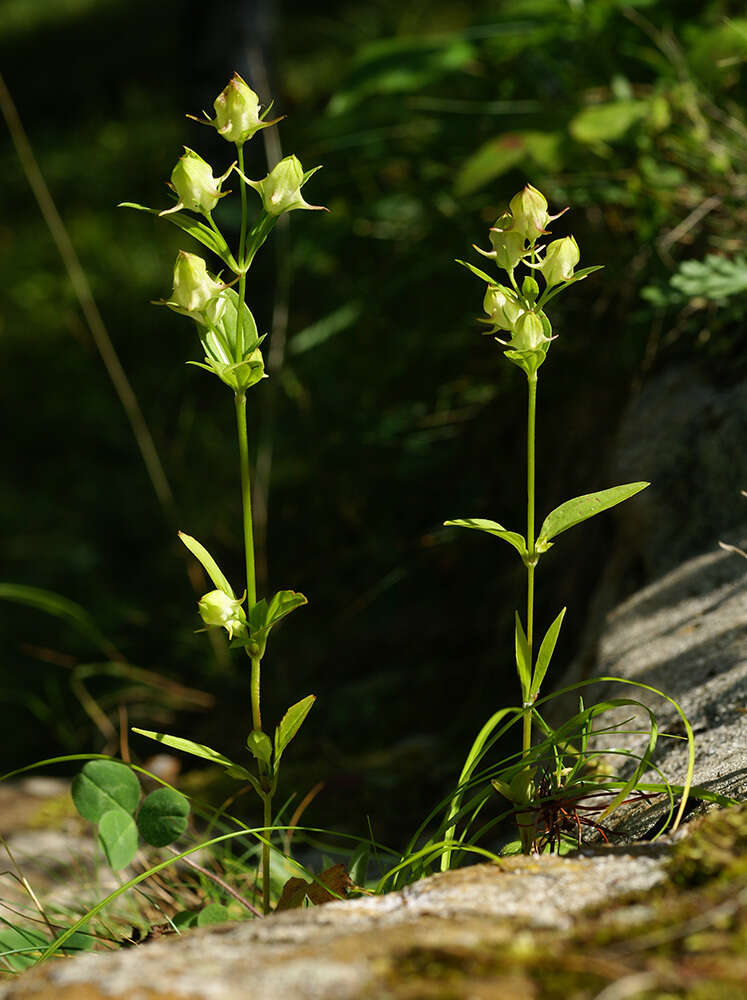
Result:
{"points": [[213, 913], [103, 785], [163, 817], [118, 838]]}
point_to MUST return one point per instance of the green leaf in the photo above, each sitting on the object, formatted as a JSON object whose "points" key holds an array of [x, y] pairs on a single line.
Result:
{"points": [[606, 122], [480, 274], [260, 745], [208, 563], [60, 607], [575, 511], [226, 326], [523, 662], [290, 724], [118, 838], [19, 947], [499, 155], [493, 528], [189, 746], [545, 654], [184, 919], [213, 913], [196, 229], [163, 817], [265, 614], [103, 785]]}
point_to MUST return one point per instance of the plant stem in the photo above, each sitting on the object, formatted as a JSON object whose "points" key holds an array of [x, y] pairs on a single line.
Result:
{"points": [[240, 257], [266, 854], [246, 498], [256, 713], [531, 415]]}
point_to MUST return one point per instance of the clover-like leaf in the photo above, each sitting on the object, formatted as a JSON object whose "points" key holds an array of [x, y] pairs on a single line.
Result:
{"points": [[118, 838], [103, 785], [162, 818]]}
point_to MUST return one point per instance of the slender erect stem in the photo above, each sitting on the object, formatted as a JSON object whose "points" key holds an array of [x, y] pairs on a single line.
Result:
{"points": [[246, 498], [266, 855], [531, 414]]}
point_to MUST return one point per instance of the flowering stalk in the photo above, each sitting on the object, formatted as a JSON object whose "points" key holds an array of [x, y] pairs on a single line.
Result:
{"points": [[231, 343], [517, 308]]}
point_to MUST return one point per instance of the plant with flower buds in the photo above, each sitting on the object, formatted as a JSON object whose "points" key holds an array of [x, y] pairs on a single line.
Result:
{"points": [[515, 305], [232, 352]]}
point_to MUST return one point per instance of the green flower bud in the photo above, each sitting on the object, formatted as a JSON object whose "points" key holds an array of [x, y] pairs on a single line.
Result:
{"points": [[561, 257], [529, 211], [508, 247], [196, 188], [237, 116], [280, 191], [528, 333], [219, 610], [530, 289], [195, 293], [502, 310]]}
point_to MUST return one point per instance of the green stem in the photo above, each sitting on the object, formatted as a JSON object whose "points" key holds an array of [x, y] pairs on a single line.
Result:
{"points": [[246, 497], [256, 713], [239, 355], [266, 854], [531, 415]]}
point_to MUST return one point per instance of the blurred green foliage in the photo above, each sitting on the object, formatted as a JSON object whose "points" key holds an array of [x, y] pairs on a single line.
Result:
{"points": [[389, 411]]}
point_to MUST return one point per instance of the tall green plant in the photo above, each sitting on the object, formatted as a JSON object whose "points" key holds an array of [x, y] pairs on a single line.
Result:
{"points": [[231, 344], [517, 308]]}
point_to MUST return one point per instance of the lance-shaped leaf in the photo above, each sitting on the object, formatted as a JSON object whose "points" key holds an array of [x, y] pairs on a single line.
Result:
{"points": [[208, 563], [290, 724], [197, 750], [579, 509], [197, 230], [493, 528], [523, 661], [480, 274], [545, 655], [579, 275]]}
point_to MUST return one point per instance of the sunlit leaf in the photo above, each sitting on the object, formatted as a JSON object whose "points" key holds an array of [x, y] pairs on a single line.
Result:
{"points": [[290, 724], [196, 229], [581, 508], [118, 838], [492, 528], [103, 785], [545, 654], [260, 745], [523, 662], [208, 563]]}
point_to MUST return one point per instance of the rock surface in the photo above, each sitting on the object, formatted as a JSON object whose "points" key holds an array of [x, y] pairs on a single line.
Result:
{"points": [[346, 949]]}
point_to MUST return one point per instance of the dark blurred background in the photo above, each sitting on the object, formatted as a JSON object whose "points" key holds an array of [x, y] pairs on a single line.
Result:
{"points": [[386, 411]]}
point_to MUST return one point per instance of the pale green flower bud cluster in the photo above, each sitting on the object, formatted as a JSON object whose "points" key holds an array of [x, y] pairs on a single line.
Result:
{"points": [[516, 310], [227, 328]]}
